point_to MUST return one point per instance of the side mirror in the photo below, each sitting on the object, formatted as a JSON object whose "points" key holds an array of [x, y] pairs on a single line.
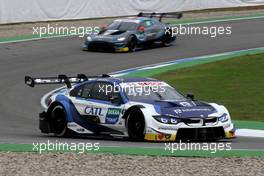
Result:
{"points": [[115, 99], [190, 96], [102, 29]]}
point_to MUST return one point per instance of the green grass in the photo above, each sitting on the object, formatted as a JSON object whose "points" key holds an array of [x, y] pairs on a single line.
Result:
{"points": [[142, 151], [238, 83]]}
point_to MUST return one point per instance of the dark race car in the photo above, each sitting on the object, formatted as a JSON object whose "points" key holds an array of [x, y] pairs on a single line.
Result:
{"points": [[128, 34]]}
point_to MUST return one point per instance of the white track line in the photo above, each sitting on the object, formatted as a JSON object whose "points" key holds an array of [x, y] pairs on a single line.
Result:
{"points": [[177, 61], [250, 133]]}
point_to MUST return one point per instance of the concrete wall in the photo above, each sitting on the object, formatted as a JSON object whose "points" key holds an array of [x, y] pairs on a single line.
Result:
{"points": [[12, 11]]}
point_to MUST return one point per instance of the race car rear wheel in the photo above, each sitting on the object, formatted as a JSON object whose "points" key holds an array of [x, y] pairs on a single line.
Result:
{"points": [[58, 120], [167, 39], [132, 43], [136, 125]]}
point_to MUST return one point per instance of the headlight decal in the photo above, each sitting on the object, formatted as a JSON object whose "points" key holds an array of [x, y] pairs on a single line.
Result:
{"points": [[121, 39], [223, 118], [166, 119], [89, 38]]}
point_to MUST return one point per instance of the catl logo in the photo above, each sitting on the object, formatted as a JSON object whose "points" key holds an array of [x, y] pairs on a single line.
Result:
{"points": [[93, 111]]}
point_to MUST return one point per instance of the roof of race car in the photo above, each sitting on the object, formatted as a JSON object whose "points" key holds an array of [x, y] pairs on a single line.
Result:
{"points": [[126, 80], [120, 80], [134, 19], [115, 80]]}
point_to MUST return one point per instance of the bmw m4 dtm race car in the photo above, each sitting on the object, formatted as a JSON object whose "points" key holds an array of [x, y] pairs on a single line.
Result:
{"points": [[127, 34], [138, 108]]}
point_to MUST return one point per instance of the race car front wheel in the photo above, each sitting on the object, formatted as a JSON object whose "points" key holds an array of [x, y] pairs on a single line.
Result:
{"points": [[132, 43], [136, 125], [58, 121]]}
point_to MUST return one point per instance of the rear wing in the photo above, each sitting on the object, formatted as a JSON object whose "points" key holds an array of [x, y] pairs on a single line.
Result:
{"points": [[177, 15], [60, 79]]}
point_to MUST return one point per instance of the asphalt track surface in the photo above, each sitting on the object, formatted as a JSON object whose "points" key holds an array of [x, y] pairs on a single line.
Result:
{"points": [[20, 105]]}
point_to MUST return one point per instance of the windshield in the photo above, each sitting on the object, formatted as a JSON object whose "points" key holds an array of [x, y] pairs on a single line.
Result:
{"points": [[123, 26], [153, 93]]}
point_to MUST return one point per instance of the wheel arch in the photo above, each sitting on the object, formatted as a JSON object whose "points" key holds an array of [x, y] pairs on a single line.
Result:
{"points": [[168, 34], [133, 35], [131, 109], [65, 106], [52, 126], [52, 105], [132, 114]]}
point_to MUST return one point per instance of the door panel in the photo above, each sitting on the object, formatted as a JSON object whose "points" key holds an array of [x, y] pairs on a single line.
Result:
{"points": [[150, 30], [93, 103]]}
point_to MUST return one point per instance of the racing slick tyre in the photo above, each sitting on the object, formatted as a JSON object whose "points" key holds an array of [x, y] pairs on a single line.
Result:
{"points": [[132, 43], [58, 121], [167, 39], [136, 125]]}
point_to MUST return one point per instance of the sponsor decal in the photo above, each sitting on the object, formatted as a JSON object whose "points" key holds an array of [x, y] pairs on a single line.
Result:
{"points": [[71, 125], [77, 128], [162, 137], [227, 125], [168, 128], [93, 111], [80, 129], [112, 115], [149, 130], [179, 111], [186, 104], [147, 83], [150, 83]]}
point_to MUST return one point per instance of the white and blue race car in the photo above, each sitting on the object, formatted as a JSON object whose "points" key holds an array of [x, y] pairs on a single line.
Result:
{"points": [[138, 108]]}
